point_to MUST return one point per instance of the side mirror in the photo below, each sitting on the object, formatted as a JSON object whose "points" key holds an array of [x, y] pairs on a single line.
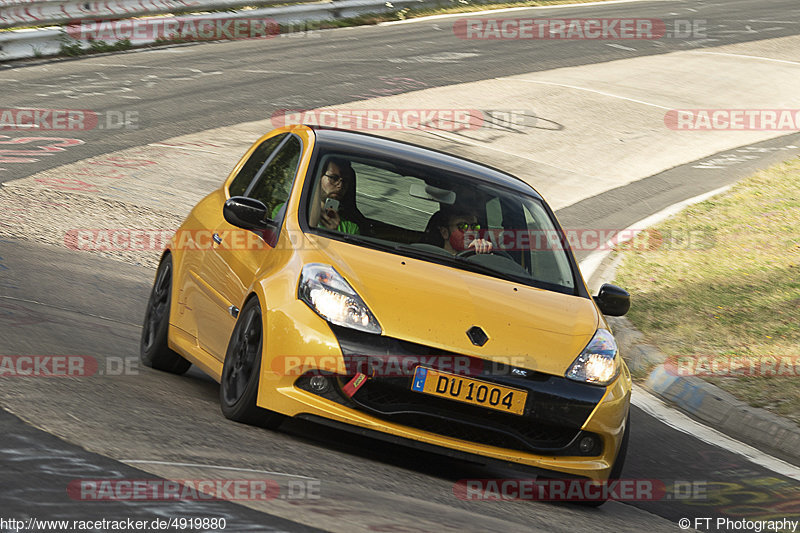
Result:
{"points": [[246, 213], [613, 300]]}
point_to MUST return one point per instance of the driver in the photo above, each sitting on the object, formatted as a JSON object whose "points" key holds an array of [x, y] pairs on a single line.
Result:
{"points": [[461, 231]]}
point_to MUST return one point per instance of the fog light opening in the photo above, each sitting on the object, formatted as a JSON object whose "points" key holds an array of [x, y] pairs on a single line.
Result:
{"points": [[319, 384], [587, 444]]}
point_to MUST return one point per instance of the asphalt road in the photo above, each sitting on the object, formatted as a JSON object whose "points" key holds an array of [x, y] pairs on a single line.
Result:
{"points": [[190, 88], [59, 302], [54, 301]]}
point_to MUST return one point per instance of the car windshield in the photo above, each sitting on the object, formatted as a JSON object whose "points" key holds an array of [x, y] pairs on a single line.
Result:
{"points": [[437, 216]]}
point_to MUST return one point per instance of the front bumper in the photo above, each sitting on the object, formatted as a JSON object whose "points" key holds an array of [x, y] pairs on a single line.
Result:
{"points": [[554, 413], [559, 414]]}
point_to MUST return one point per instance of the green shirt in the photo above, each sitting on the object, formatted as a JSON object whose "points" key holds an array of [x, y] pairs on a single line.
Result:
{"points": [[345, 226]]}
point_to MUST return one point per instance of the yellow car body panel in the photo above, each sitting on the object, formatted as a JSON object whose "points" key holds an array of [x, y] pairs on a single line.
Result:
{"points": [[454, 300], [530, 327]]}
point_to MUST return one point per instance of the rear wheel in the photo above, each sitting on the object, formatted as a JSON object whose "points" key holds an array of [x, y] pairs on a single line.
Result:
{"points": [[238, 388], [154, 350]]}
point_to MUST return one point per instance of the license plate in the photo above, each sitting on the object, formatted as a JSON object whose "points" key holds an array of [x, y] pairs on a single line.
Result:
{"points": [[468, 390]]}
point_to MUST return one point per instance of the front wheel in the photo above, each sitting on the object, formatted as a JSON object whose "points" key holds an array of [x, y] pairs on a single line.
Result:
{"points": [[238, 388], [154, 350]]}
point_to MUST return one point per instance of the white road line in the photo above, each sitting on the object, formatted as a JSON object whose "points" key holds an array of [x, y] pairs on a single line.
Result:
{"points": [[746, 57], [146, 66], [677, 420], [194, 465], [183, 148], [288, 72], [587, 90], [589, 265], [506, 10], [612, 45]]}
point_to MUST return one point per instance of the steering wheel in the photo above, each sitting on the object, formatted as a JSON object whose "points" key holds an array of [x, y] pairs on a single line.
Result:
{"points": [[470, 253]]}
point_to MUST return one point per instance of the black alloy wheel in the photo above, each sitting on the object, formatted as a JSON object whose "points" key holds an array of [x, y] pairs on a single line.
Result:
{"points": [[238, 389], [154, 350]]}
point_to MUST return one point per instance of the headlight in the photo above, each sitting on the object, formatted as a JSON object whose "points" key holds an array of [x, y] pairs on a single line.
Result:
{"points": [[598, 362], [332, 298]]}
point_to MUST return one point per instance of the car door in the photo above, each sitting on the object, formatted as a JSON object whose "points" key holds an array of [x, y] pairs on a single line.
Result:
{"points": [[237, 255]]}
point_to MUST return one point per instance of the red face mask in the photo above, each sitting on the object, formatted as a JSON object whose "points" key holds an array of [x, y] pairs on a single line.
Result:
{"points": [[460, 240]]}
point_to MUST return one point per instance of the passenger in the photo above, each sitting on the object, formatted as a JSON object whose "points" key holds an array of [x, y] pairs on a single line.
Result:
{"points": [[457, 222], [336, 183]]}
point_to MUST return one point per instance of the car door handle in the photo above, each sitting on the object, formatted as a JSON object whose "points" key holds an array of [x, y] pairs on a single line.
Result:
{"points": [[217, 238]]}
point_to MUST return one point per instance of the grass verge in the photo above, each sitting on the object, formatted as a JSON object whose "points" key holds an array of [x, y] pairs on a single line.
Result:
{"points": [[729, 308]]}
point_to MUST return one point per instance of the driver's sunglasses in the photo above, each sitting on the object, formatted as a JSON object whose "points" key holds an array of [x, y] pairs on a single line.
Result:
{"points": [[465, 226]]}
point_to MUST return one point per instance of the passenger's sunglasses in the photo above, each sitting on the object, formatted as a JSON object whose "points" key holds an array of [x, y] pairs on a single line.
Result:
{"points": [[464, 226]]}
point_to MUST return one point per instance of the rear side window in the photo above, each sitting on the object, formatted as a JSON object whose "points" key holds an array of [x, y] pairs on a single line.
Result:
{"points": [[378, 186], [253, 165]]}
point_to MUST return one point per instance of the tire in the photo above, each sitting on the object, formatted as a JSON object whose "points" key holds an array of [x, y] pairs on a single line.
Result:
{"points": [[154, 350], [238, 388]]}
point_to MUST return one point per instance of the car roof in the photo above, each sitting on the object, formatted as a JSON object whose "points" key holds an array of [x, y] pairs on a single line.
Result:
{"points": [[334, 139]]}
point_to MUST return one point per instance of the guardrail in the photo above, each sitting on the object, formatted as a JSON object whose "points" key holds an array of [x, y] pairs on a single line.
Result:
{"points": [[44, 12], [25, 43], [6, 3]]}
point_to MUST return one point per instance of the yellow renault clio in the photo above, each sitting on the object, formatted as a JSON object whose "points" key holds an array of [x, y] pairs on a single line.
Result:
{"points": [[399, 292]]}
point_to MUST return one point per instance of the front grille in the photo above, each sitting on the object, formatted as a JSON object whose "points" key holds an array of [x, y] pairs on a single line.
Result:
{"points": [[460, 420]]}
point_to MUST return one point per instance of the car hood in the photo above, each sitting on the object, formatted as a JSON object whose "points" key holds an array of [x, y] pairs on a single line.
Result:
{"points": [[435, 305]]}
